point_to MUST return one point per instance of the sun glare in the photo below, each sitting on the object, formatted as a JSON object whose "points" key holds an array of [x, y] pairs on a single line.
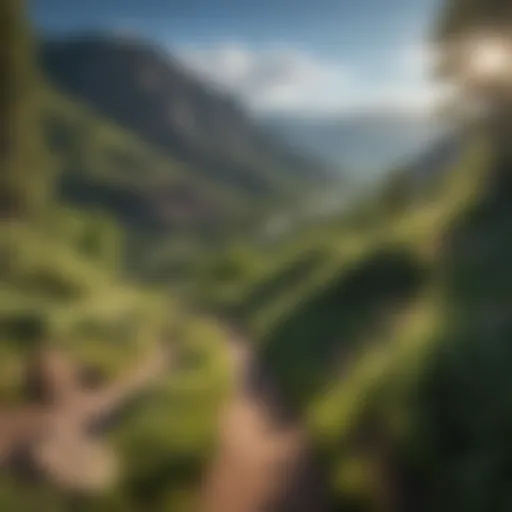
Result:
{"points": [[490, 59]]}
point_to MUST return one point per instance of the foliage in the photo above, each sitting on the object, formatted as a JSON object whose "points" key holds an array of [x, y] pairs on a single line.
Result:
{"points": [[372, 341], [466, 16], [63, 281], [24, 167]]}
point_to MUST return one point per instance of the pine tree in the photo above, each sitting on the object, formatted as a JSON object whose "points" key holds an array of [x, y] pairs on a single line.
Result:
{"points": [[23, 159]]}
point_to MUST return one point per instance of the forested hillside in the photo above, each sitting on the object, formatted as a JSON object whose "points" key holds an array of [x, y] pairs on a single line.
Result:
{"points": [[389, 330], [146, 91], [105, 167], [158, 202], [62, 285], [181, 167], [391, 341]]}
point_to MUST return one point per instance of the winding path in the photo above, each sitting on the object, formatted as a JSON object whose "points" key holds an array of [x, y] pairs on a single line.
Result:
{"points": [[263, 462]]}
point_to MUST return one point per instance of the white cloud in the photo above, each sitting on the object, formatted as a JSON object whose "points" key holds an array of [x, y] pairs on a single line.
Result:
{"points": [[288, 80], [274, 79], [402, 98]]}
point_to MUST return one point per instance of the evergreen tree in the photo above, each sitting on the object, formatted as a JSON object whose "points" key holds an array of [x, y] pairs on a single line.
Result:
{"points": [[23, 163]]}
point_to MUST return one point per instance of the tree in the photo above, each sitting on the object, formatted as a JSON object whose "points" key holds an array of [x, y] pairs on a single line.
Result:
{"points": [[464, 25], [23, 158], [462, 16], [476, 51]]}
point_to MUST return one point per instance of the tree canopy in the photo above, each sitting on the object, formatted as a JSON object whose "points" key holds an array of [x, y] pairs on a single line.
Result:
{"points": [[460, 16]]}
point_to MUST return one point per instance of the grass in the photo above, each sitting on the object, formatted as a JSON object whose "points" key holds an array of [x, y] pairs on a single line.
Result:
{"points": [[352, 350], [104, 320]]}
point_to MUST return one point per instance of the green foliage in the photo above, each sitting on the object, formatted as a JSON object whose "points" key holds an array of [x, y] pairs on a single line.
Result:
{"points": [[354, 321], [63, 281], [466, 16], [24, 177], [107, 323], [101, 165], [388, 329]]}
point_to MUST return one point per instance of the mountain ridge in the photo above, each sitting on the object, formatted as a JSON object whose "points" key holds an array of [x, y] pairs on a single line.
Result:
{"points": [[148, 92], [362, 143]]}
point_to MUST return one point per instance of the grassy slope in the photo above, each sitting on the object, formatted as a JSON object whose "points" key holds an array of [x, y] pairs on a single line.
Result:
{"points": [[379, 314], [66, 270], [108, 322], [106, 169], [104, 155]]}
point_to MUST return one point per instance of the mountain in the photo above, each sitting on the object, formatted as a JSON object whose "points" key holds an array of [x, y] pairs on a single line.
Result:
{"points": [[103, 165], [363, 144], [147, 92]]}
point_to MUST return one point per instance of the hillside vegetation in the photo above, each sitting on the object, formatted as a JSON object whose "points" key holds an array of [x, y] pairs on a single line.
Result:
{"points": [[159, 202], [64, 283], [123, 148], [387, 328], [145, 90], [75, 301], [388, 331], [104, 166], [391, 339]]}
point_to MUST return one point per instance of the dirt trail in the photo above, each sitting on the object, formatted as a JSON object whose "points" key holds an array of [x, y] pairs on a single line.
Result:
{"points": [[58, 439], [263, 462]]}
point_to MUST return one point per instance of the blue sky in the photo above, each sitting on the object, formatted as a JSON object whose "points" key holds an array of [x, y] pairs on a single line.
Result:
{"points": [[299, 56]]}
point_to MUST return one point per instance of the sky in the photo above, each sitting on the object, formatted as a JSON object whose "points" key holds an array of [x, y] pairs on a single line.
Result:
{"points": [[295, 57]]}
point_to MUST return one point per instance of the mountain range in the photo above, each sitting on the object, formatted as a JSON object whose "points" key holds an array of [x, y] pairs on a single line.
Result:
{"points": [[363, 144], [146, 91]]}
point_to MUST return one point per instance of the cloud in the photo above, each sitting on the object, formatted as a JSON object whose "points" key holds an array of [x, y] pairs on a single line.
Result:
{"points": [[273, 79], [287, 80], [418, 59], [413, 98]]}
